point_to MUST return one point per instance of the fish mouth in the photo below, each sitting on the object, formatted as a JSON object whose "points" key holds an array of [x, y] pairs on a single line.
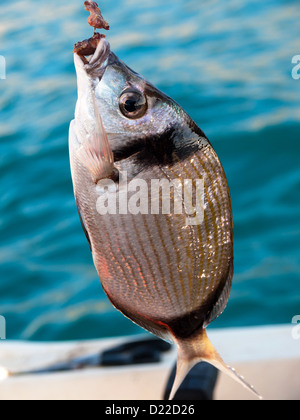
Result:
{"points": [[91, 59], [92, 55]]}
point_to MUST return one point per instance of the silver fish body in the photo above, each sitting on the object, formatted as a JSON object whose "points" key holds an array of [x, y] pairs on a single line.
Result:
{"points": [[168, 276]]}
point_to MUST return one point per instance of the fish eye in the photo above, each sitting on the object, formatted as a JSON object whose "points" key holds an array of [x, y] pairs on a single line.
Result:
{"points": [[133, 104]]}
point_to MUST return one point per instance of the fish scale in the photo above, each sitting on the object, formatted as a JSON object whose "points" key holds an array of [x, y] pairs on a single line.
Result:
{"points": [[213, 271]]}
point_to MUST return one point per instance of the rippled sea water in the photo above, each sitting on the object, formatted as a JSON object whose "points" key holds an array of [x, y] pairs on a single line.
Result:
{"points": [[228, 63]]}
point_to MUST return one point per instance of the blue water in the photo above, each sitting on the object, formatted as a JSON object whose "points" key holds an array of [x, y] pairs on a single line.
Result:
{"points": [[228, 63]]}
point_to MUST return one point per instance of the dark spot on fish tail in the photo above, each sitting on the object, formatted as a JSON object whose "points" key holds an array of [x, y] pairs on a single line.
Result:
{"points": [[83, 225], [189, 324]]}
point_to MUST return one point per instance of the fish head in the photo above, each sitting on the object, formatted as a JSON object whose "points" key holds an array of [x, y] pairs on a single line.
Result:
{"points": [[134, 113]]}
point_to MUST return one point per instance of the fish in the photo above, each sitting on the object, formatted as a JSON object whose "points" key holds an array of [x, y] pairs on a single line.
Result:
{"points": [[166, 271]]}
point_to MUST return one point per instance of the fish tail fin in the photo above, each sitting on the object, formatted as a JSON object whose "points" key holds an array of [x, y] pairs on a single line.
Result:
{"points": [[198, 350], [184, 366], [96, 154]]}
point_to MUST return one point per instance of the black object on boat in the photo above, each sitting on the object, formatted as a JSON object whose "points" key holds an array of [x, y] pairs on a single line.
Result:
{"points": [[136, 352], [133, 353]]}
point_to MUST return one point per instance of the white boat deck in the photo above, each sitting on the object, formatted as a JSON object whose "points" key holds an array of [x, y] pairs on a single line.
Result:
{"points": [[268, 357]]}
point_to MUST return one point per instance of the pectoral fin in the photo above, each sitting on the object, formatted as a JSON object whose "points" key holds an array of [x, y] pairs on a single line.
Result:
{"points": [[96, 153]]}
